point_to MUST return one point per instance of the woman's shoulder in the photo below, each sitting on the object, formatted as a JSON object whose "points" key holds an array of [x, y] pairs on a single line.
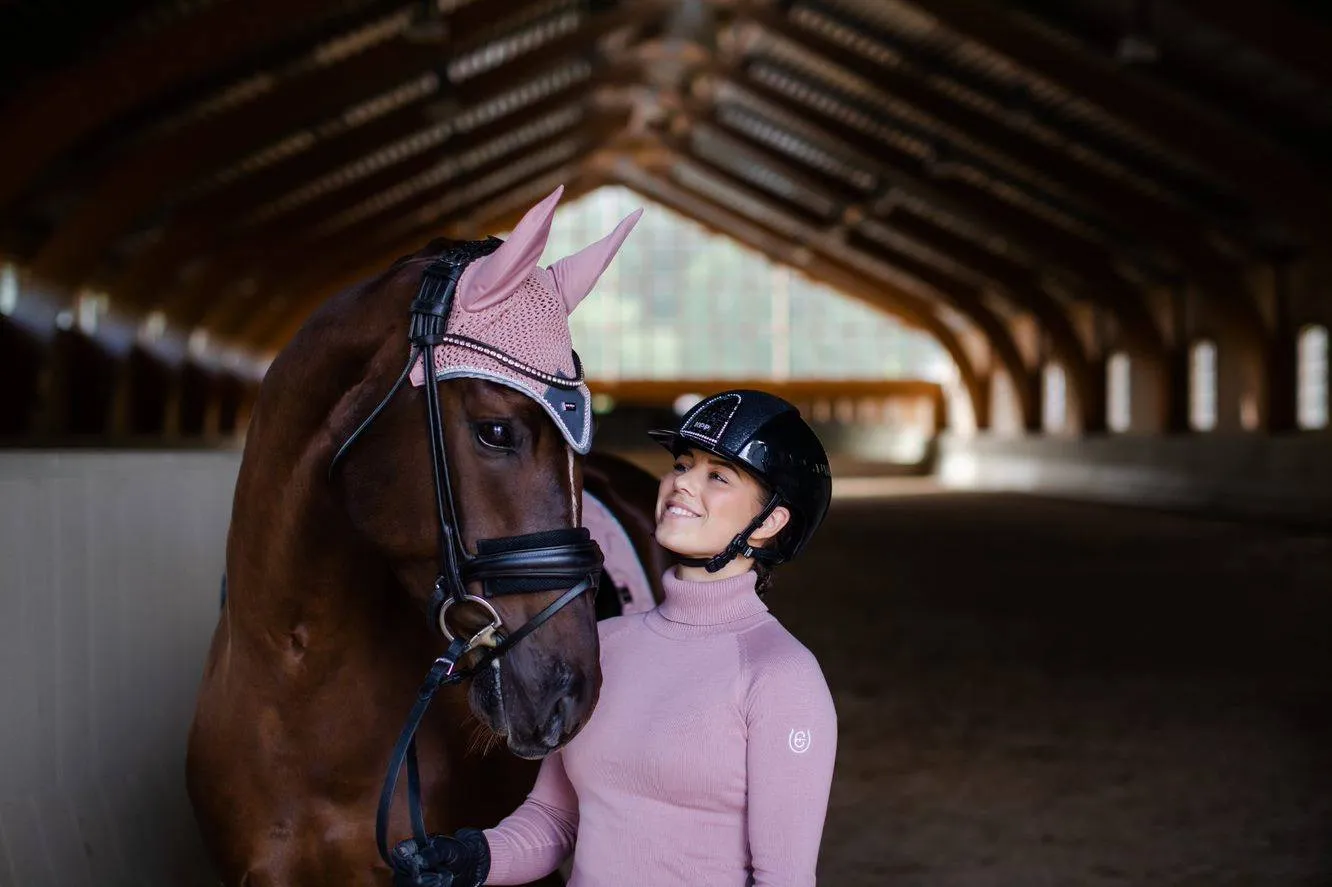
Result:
{"points": [[781, 677], [769, 650]]}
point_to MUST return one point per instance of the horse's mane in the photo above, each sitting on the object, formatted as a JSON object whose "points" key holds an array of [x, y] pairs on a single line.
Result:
{"points": [[430, 250]]}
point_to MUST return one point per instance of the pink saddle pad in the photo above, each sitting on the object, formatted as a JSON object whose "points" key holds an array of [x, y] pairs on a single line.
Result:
{"points": [[622, 565]]}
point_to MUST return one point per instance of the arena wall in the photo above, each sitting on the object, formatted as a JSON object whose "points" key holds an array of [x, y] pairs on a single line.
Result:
{"points": [[109, 581], [1232, 475]]}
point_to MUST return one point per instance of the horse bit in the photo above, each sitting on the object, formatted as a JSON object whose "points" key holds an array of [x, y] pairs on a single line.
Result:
{"points": [[527, 564]]}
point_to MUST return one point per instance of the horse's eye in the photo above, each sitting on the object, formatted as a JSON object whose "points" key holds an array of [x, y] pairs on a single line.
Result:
{"points": [[496, 435]]}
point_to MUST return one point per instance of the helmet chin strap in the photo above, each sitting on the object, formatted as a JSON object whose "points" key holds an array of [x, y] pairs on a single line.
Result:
{"points": [[739, 546]]}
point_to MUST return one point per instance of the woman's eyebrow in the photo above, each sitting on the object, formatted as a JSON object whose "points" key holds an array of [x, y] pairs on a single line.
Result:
{"points": [[718, 462]]}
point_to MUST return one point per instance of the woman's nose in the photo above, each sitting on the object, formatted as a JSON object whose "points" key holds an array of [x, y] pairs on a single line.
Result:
{"points": [[685, 481]]}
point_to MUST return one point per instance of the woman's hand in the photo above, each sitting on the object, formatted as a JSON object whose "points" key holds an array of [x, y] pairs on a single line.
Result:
{"points": [[460, 860]]}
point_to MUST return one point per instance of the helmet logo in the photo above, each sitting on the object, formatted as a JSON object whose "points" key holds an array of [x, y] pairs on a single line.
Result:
{"points": [[709, 419]]}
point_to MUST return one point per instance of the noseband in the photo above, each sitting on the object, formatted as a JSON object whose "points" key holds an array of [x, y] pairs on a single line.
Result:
{"points": [[527, 564]]}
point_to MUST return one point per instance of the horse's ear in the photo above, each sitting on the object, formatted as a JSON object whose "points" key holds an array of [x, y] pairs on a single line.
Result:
{"points": [[493, 279], [576, 275]]}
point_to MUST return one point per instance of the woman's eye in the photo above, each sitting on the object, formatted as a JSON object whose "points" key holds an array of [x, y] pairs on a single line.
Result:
{"points": [[715, 476], [679, 468], [496, 435]]}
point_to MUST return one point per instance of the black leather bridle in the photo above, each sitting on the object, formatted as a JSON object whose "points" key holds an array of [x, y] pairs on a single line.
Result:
{"points": [[527, 564]]}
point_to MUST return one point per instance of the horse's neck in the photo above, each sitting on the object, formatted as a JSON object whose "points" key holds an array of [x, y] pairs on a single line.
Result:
{"points": [[292, 553]]}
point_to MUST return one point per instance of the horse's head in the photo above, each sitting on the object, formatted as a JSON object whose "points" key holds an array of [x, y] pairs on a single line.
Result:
{"points": [[513, 442]]}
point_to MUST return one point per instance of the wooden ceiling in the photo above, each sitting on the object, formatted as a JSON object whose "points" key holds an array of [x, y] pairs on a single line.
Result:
{"points": [[231, 162]]}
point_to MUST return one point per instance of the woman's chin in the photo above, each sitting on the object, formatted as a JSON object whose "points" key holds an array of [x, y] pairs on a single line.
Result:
{"points": [[681, 547]]}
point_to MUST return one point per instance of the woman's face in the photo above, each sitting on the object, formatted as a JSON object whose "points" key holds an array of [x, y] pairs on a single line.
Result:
{"points": [[703, 501]]}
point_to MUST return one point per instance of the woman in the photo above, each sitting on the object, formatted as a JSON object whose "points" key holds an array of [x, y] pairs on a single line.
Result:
{"points": [[710, 754]]}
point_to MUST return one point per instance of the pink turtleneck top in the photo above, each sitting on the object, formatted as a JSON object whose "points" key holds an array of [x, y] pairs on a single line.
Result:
{"points": [[707, 760]]}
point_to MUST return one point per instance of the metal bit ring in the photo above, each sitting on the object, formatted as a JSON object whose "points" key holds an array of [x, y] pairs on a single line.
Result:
{"points": [[485, 635]]}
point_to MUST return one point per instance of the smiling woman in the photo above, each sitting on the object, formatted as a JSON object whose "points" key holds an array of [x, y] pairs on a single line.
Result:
{"points": [[707, 703], [703, 501]]}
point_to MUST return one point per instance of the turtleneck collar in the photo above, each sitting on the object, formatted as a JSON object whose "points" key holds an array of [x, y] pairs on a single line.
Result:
{"points": [[710, 603]]}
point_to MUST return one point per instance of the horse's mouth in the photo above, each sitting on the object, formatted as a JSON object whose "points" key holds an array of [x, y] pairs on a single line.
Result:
{"points": [[487, 700], [529, 751]]}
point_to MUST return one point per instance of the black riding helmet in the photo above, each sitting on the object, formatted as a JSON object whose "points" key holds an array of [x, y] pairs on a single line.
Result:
{"points": [[764, 435]]}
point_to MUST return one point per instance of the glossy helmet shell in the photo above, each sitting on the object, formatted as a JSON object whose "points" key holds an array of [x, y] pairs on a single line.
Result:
{"points": [[765, 435]]}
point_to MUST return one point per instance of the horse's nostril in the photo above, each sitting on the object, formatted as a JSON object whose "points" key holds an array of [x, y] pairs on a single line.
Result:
{"points": [[567, 705], [562, 716], [554, 728]]}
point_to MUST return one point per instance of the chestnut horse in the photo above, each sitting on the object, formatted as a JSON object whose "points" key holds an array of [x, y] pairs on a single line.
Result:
{"points": [[326, 633]]}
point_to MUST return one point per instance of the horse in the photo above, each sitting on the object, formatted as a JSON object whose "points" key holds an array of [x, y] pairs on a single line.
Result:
{"points": [[339, 555]]}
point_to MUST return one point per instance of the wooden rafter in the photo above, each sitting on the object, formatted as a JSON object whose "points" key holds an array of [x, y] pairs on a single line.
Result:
{"points": [[420, 212], [273, 330], [1019, 282], [1048, 244], [1275, 29], [192, 231], [1271, 175], [961, 296], [132, 187], [1153, 221], [413, 221], [56, 112], [283, 233]]}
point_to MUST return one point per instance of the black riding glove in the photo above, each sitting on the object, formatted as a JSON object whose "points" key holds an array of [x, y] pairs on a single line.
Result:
{"points": [[462, 860]]}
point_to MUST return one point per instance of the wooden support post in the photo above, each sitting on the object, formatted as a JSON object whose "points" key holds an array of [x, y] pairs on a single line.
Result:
{"points": [[22, 358], [1280, 357]]}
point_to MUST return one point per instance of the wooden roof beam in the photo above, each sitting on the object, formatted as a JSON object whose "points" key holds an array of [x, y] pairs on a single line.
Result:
{"points": [[286, 232], [191, 230], [282, 317], [1147, 217], [368, 236], [131, 188], [1051, 246], [1019, 282], [211, 293], [963, 297], [1271, 175], [1275, 29], [53, 114]]}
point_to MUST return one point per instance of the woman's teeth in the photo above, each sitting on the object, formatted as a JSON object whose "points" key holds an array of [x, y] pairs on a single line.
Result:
{"points": [[680, 512]]}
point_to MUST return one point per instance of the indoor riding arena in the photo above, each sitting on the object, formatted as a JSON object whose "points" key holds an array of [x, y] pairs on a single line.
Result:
{"points": [[1051, 279]]}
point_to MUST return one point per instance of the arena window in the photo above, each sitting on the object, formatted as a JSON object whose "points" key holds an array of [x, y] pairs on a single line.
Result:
{"points": [[680, 302], [1312, 373], [1119, 392], [1054, 396], [8, 288], [1202, 385]]}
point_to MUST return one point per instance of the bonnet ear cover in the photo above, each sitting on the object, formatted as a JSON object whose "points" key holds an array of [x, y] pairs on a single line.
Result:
{"points": [[576, 275], [491, 279], [517, 311]]}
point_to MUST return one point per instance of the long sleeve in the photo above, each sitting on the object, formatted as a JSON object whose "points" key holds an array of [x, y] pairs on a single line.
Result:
{"points": [[792, 743], [531, 842]]}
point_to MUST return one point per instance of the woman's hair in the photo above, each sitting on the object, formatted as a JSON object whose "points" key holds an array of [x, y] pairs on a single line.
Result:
{"points": [[763, 584]]}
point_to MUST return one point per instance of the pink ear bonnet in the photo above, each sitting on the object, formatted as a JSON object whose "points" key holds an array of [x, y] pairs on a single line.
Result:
{"points": [[516, 316]]}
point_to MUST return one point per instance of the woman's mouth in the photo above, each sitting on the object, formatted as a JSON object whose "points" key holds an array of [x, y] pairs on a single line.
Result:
{"points": [[675, 510]]}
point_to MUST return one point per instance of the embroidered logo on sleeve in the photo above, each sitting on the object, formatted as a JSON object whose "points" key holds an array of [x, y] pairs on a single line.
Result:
{"points": [[799, 740]]}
